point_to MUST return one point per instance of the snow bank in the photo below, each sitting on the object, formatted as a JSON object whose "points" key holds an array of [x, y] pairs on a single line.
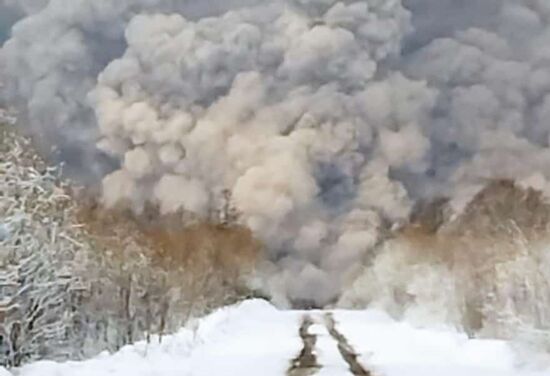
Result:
{"points": [[397, 349], [231, 341], [254, 338], [169, 358]]}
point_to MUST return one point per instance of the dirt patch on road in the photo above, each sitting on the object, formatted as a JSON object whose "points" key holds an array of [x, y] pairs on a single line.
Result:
{"points": [[305, 364]]}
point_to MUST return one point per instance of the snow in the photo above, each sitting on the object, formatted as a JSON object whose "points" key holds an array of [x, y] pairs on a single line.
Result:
{"points": [[249, 339], [167, 359], [254, 338], [326, 350], [398, 349]]}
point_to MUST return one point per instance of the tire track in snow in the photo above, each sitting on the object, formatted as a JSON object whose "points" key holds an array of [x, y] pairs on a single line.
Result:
{"points": [[305, 364], [330, 360], [349, 355]]}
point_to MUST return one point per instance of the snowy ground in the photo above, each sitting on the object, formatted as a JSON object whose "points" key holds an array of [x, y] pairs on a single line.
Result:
{"points": [[254, 338]]}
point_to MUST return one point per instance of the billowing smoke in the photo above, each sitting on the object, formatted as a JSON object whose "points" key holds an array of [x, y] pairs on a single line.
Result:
{"points": [[325, 119], [53, 58]]}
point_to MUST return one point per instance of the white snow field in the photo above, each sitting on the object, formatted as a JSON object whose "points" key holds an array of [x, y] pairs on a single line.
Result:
{"points": [[254, 338]]}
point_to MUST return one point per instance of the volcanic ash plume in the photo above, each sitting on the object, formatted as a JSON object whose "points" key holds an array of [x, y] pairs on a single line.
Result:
{"points": [[325, 119], [278, 104]]}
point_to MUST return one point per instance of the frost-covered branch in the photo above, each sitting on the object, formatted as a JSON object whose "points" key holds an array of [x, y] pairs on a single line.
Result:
{"points": [[36, 255]]}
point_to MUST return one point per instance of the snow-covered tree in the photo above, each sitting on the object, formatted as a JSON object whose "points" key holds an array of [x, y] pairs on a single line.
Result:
{"points": [[77, 279], [36, 307], [485, 270], [38, 246]]}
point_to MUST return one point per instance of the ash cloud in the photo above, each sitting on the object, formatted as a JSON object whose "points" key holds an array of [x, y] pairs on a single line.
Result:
{"points": [[325, 119]]}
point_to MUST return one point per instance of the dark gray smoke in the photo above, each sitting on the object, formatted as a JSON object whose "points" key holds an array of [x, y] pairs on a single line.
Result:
{"points": [[433, 19], [324, 118], [52, 61]]}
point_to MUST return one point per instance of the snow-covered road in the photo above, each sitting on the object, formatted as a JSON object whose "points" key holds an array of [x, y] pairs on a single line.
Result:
{"points": [[254, 338]]}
